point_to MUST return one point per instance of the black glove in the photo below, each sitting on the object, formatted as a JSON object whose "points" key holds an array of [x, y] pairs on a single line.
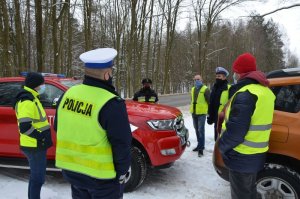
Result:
{"points": [[209, 121]]}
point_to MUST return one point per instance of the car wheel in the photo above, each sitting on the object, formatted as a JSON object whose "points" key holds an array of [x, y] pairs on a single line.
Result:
{"points": [[277, 181], [137, 171]]}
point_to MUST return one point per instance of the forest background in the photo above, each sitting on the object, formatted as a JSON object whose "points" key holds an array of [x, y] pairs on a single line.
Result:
{"points": [[49, 36]]}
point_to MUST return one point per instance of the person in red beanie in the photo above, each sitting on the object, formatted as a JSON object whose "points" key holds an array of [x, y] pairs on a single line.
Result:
{"points": [[246, 127]]}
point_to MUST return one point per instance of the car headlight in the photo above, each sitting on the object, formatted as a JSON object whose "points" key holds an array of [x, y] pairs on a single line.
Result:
{"points": [[161, 124]]}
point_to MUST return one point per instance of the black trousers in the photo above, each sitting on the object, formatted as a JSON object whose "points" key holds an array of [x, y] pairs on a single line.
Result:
{"points": [[242, 185], [216, 130]]}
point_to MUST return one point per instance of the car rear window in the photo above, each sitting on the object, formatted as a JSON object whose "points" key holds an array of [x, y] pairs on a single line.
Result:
{"points": [[8, 91], [287, 98]]}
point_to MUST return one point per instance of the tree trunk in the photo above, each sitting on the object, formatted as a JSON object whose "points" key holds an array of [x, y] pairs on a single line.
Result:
{"points": [[70, 40], [54, 37], [28, 33], [39, 36], [87, 12], [19, 44], [149, 39], [130, 48], [140, 48], [5, 40]]}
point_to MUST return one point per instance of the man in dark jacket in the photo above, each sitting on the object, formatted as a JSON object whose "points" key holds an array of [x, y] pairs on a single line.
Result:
{"points": [[146, 94], [218, 97], [247, 126], [34, 129], [93, 132]]}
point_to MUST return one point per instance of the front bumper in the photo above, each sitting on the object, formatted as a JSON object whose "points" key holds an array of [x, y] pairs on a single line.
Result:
{"points": [[171, 148]]}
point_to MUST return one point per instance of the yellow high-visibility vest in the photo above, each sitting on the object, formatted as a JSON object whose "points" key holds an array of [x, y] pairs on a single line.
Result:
{"points": [[82, 143], [224, 98], [31, 111], [201, 104], [257, 137]]}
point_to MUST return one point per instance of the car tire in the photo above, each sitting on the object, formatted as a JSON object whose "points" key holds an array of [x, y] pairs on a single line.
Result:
{"points": [[137, 171], [278, 181]]}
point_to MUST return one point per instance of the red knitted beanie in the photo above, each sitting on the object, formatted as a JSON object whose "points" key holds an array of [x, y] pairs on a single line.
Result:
{"points": [[244, 63]]}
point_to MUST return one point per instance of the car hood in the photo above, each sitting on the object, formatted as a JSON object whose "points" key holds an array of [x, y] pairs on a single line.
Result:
{"points": [[151, 110]]}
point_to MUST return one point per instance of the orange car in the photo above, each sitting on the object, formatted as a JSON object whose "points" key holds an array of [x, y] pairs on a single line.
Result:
{"points": [[280, 177]]}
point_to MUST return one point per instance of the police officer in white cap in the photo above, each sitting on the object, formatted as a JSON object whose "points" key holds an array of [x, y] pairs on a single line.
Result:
{"points": [[93, 132], [218, 97]]}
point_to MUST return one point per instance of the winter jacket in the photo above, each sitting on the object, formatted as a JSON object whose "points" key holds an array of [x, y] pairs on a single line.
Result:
{"points": [[26, 103], [145, 95], [242, 109], [214, 102]]}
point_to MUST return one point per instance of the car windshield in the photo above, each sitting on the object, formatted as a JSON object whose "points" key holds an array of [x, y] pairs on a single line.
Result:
{"points": [[70, 83]]}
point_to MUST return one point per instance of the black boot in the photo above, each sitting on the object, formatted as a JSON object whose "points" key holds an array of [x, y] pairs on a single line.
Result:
{"points": [[196, 149], [200, 153]]}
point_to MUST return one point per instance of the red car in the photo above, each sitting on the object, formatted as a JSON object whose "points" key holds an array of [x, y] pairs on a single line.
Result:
{"points": [[159, 134]]}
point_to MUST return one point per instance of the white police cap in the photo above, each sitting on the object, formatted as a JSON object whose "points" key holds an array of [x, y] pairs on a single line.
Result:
{"points": [[99, 58], [221, 70]]}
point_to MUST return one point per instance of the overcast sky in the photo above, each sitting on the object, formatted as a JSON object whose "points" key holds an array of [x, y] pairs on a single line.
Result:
{"points": [[288, 20]]}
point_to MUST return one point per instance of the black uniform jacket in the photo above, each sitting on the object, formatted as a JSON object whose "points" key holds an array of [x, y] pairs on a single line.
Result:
{"points": [[147, 92]]}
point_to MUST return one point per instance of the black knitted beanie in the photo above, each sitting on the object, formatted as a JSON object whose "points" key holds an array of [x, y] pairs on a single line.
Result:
{"points": [[34, 80]]}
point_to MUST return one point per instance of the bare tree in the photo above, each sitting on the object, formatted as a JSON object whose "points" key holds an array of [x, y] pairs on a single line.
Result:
{"points": [[87, 16], [19, 43], [5, 40], [151, 6], [28, 34], [39, 35], [171, 14], [55, 21], [281, 8], [215, 8]]}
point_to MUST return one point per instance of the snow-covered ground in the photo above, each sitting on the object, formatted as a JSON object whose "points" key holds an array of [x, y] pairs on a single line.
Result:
{"points": [[189, 177]]}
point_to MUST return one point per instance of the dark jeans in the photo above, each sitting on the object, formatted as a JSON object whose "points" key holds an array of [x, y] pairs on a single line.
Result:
{"points": [[242, 185], [37, 163], [112, 190], [199, 124]]}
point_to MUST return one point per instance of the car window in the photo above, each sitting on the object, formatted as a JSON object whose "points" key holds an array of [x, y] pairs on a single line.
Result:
{"points": [[287, 98], [70, 83], [8, 92], [51, 93]]}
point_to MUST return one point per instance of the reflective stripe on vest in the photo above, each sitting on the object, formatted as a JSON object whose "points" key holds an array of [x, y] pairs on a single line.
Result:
{"points": [[82, 144], [152, 99], [37, 117], [224, 98], [257, 137], [143, 99], [201, 104]]}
